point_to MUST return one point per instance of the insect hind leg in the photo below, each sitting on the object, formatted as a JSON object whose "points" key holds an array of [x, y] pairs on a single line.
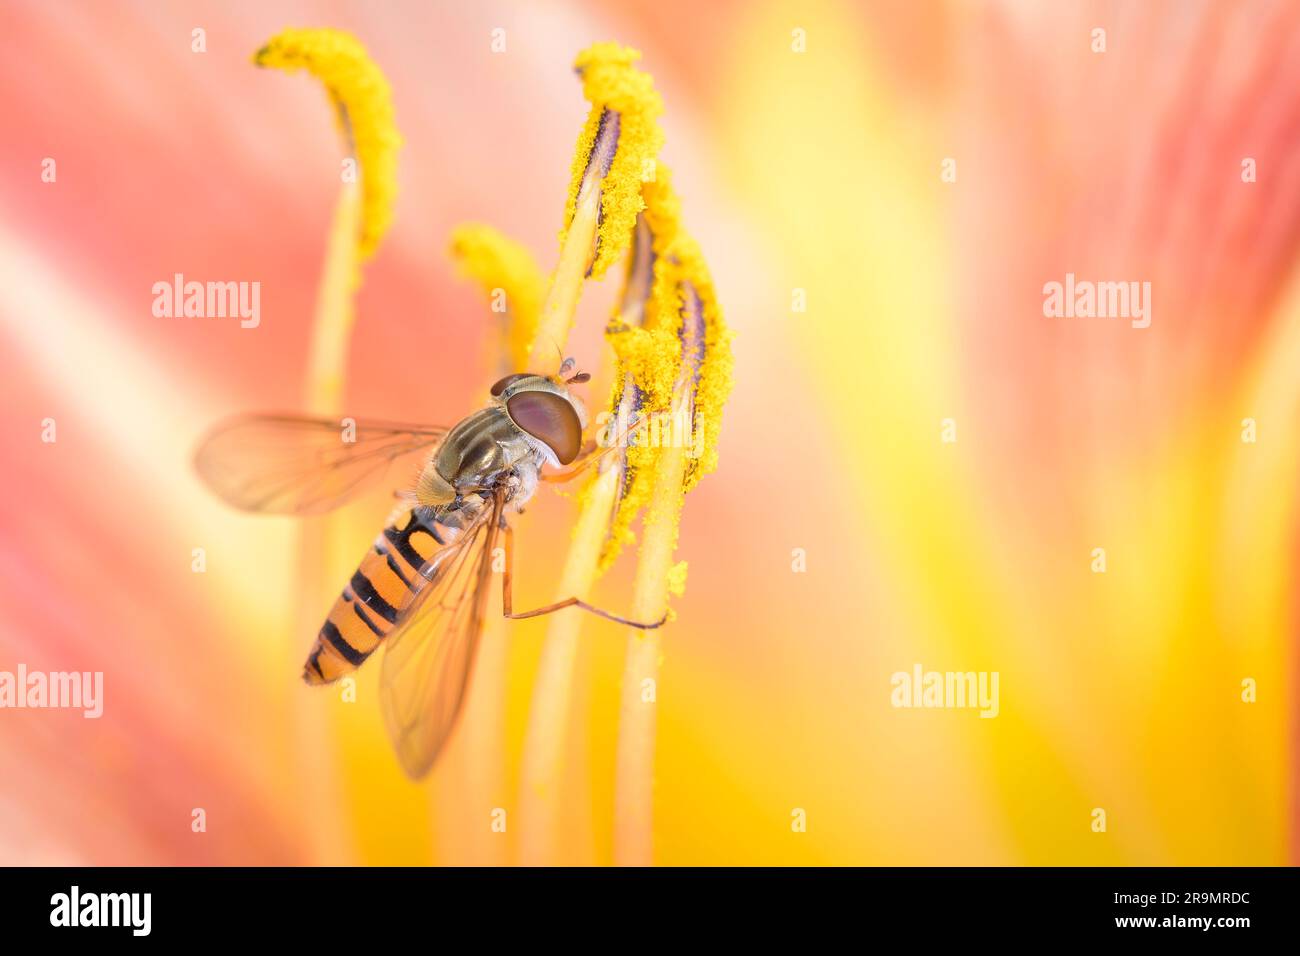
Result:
{"points": [[507, 598]]}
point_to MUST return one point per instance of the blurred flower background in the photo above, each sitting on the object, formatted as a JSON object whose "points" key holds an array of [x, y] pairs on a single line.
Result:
{"points": [[808, 143]]}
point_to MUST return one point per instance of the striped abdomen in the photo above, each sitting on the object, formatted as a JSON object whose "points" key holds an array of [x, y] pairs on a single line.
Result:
{"points": [[367, 609]]}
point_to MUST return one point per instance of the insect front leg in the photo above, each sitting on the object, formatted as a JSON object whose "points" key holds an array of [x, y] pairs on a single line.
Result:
{"points": [[592, 452]]}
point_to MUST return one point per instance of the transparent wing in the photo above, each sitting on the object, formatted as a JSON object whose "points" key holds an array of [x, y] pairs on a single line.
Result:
{"points": [[430, 653], [289, 464]]}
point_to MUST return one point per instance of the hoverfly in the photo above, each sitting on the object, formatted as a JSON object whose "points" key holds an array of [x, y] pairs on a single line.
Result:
{"points": [[421, 590]]}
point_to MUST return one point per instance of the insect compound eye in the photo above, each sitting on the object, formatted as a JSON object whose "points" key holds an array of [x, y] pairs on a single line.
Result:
{"points": [[506, 382], [550, 419]]}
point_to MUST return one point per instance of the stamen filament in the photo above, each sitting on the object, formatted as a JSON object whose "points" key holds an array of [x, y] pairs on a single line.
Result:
{"points": [[561, 303], [318, 567], [332, 324], [634, 758], [360, 97], [543, 767]]}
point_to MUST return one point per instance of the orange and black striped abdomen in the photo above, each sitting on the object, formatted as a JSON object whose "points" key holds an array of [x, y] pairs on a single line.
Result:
{"points": [[367, 609]]}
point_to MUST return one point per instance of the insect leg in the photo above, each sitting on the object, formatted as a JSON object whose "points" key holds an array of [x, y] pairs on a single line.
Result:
{"points": [[507, 608], [592, 453]]}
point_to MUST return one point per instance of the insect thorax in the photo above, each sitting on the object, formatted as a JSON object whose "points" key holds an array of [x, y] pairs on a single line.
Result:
{"points": [[480, 452]]}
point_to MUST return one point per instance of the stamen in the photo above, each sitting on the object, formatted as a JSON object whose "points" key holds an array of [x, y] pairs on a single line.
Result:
{"points": [[364, 109], [618, 144], [359, 95], [500, 265], [637, 282], [603, 149], [679, 360], [625, 108], [696, 374], [362, 103]]}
